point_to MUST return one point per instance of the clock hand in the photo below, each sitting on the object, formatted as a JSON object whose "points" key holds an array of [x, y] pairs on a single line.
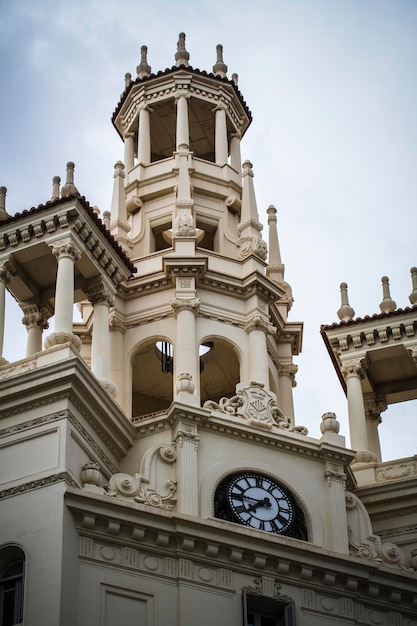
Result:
{"points": [[264, 502]]}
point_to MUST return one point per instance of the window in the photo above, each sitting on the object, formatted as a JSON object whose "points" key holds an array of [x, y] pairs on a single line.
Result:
{"points": [[12, 573], [260, 610], [11, 593]]}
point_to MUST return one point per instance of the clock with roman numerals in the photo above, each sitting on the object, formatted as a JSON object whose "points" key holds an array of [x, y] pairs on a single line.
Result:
{"points": [[260, 503]]}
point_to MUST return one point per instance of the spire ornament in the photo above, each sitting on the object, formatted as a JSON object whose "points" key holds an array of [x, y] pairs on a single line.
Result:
{"points": [[345, 313], [413, 295], [69, 189], [3, 213], [220, 68], [387, 305], [181, 55], [143, 69]]}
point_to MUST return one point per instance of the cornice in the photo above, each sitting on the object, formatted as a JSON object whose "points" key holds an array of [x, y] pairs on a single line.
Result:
{"points": [[65, 477], [177, 545]]}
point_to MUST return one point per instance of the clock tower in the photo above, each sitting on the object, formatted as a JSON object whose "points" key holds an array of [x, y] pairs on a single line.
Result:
{"points": [[151, 449]]}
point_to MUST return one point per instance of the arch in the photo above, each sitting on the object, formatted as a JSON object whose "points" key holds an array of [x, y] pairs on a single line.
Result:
{"points": [[12, 587], [219, 369], [152, 383]]}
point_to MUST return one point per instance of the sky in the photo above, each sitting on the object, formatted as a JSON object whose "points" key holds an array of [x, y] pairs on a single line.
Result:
{"points": [[332, 88]]}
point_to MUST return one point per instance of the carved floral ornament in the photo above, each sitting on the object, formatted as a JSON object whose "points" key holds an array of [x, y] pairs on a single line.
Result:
{"points": [[259, 322], [141, 487], [66, 248], [190, 304], [7, 270], [353, 367], [257, 407], [363, 543], [252, 245]]}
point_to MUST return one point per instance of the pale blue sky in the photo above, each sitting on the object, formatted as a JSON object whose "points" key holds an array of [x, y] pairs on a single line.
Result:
{"points": [[332, 88]]}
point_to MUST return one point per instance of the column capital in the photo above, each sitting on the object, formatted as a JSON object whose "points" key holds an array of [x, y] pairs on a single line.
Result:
{"points": [[353, 368], [181, 304], [181, 93], [66, 248], [257, 322], [412, 351], [8, 269], [35, 315], [374, 407], [98, 293], [290, 371], [116, 322]]}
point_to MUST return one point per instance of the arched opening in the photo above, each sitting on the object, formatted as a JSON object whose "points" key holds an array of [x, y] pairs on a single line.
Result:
{"points": [[220, 370], [152, 385], [12, 574]]}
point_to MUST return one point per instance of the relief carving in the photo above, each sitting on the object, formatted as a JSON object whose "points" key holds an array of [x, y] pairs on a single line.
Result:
{"points": [[255, 405], [141, 487]]}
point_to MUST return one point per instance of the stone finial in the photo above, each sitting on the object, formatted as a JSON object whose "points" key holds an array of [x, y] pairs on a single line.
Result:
{"points": [[181, 55], [143, 69], [345, 313], [329, 423], [220, 68], [235, 78], [387, 305], [56, 181], [413, 295], [128, 79], [3, 213], [69, 189]]}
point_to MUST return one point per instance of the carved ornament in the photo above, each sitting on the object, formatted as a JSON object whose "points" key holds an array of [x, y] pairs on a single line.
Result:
{"points": [[259, 322], [353, 367], [66, 248], [252, 245], [256, 406], [190, 304]]}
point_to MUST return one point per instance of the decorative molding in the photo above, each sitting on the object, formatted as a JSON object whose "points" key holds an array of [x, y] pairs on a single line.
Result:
{"points": [[396, 470], [40, 482]]}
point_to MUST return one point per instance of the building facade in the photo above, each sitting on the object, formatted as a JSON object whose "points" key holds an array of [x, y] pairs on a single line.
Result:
{"points": [[152, 471]]}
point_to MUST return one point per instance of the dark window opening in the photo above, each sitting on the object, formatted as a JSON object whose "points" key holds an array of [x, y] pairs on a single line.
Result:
{"points": [[260, 610], [11, 594]]}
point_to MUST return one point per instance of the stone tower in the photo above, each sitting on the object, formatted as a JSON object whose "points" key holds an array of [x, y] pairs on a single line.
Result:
{"points": [[151, 468]]}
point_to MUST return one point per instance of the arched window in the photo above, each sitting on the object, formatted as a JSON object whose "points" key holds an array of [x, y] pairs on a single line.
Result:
{"points": [[12, 573]]}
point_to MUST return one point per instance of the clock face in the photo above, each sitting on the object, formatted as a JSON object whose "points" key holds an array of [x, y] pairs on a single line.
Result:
{"points": [[258, 502]]}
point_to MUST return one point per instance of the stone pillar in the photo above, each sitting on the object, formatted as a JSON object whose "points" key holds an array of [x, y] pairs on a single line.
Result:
{"points": [[144, 136], [286, 375], [353, 373], [235, 157], [35, 319], [186, 357], [257, 328], [129, 156], [117, 361], [183, 132], [373, 410], [336, 480], [186, 441], [101, 299], [6, 273], [221, 148], [67, 253]]}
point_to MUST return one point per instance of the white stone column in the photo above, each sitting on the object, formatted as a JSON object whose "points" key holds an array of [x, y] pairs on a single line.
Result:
{"points": [[186, 441], [101, 299], [353, 373], [186, 357], [183, 132], [286, 375], [235, 157], [117, 360], [221, 148], [336, 481], [144, 136], [5, 277], [129, 156], [35, 319], [257, 328], [67, 253], [373, 410]]}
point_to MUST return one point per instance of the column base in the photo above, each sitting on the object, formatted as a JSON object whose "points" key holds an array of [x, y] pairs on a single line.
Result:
{"points": [[59, 337]]}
